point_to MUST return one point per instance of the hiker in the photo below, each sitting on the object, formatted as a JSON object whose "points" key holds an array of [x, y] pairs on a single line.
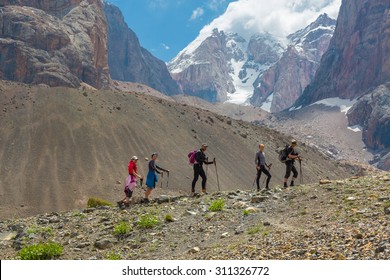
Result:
{"points": [[261, 167], [131, 182], [152, 177], [292, 155], [200, 158]]}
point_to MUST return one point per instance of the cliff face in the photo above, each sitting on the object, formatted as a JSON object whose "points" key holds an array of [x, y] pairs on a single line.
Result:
{"points": [[128, 61], [357, 65], [357, 58], [59, 43], [287, 79]]}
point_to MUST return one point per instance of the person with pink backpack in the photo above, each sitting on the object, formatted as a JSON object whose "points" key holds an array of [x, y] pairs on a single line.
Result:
{"points": [[199, 158]]}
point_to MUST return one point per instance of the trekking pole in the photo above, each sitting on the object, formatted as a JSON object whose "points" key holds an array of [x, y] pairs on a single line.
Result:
{"points": [[162, 175], [300, 171], [167, 178], [216, 171]]}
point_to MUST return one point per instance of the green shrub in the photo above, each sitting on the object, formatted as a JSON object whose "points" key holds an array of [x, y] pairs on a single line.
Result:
{"points": [[41, 251], [147, 221], [169, 218], [245, 212], [217, 205], [122, 228], [94, 202]]}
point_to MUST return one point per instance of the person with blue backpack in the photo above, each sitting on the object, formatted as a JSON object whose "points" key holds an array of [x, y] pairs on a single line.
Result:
{"points": [[200, 159]]}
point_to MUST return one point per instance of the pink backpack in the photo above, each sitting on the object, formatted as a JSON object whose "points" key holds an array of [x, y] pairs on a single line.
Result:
{"points": [[191, 157]]}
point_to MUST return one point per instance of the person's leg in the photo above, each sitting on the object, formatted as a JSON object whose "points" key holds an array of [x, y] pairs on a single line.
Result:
{"points": [[148, 192], [295, 175], [204, 179], [258, 179], [266, 172], [196, 176], [288, 172]]}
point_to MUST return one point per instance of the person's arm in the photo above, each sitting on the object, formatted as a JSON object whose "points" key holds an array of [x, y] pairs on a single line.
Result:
{"points": [[162, 169]]}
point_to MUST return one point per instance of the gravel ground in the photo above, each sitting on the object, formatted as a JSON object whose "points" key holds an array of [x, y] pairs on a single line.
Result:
{"points": [[343, 219]]}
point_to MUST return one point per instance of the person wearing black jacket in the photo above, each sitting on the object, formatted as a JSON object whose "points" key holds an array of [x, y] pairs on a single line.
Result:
{"points": [[292, 155], [200, 159]]}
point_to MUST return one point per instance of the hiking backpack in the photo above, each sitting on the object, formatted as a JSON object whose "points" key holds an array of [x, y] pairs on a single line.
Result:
{"points": [[191, 157], [283, 154]]}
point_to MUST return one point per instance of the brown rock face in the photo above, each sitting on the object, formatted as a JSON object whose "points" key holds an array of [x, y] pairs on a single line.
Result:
{"points": [[372, 112], [357, 58], [59, 43]]}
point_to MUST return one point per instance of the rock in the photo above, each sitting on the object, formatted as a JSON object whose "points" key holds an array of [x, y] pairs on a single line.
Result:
{"points": [[258, 199], [387, 210], [325, 181], [252, 209], [8, 235], [163, 199], [225, 234], [239, 205], [194, 250], [103, 244]]}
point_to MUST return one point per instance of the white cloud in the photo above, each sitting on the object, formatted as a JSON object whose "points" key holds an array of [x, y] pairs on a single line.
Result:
{"points": [[279, 18], [215, 5], [198, 12], [166, 47]]}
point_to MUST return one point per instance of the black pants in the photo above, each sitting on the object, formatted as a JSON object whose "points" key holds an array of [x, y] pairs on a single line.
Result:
{"points": [[290, 167], [198, 171], [264, 170]]}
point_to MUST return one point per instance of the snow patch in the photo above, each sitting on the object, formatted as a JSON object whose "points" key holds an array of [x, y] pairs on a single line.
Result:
{"points": [[355, 128], [267, 104], [343, 104]]}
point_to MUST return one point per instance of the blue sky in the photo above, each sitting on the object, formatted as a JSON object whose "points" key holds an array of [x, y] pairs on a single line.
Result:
{"points": [[165, 27]]}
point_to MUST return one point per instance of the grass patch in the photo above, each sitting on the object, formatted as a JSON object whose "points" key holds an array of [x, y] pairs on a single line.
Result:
{"points": [[258, 229], [169, 218], [41, 251], [147, 221], [217, 205], [122, 228], [40, 230], [94, 202], [113, 256], [245, 212]]}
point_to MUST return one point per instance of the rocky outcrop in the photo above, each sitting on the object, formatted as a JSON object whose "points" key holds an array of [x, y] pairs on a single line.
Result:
{"points": [[207, 73], [128, 61], [357, 59], [58, 43], [286, 80], [372, 112]]}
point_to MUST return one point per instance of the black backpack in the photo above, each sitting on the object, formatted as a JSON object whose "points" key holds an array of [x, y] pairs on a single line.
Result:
{"points": [[283, 154]]}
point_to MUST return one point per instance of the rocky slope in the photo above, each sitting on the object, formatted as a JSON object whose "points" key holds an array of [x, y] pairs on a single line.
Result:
{"points": [[128, 61], [56, 43], [328, 220], [58, 146]]}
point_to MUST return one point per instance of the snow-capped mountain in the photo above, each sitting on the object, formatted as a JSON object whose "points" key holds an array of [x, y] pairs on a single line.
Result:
{"points": [[226, 67]]}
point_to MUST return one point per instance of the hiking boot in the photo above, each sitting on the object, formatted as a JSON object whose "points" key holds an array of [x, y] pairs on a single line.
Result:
{"points": [[292, 184], [194, 194], [145, 200], [127, 204], [204, 191], [119, 203], [285, 186]]}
